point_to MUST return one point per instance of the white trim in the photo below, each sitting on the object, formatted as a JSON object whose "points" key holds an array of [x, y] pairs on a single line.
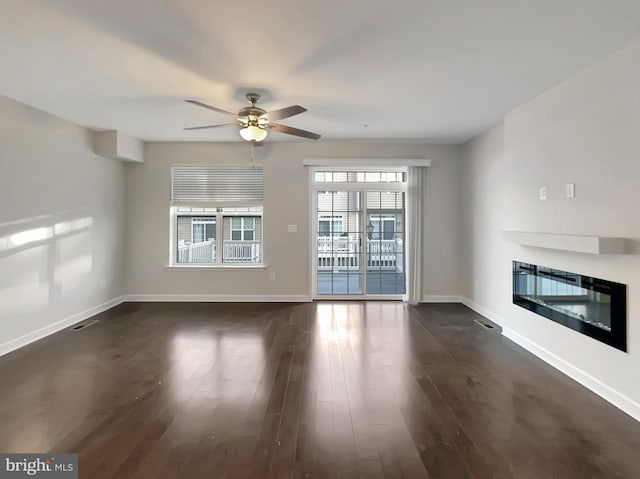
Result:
{"points": [[440, 298], [38, 334], [564, 242], [609, 394], [225, 266], [483, 311], [217, 298], [377, 162]]}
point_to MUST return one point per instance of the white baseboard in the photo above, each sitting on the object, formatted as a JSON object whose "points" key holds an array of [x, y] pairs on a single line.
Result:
{"points": [[33, 336], [216, 298], [440, 298], [483, 311], [609, 394]]}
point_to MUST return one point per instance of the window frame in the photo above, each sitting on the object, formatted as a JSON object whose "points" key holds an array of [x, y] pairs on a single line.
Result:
{"points": [[219, 215], [316, 187], [202, 220], [332, 220], [201, 190], [243, 230], [380, 218]]}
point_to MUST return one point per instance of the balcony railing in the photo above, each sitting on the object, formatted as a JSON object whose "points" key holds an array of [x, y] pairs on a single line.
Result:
{"points": [[336, 254], [204, 252], [232, 252], [341, 254], [242, 252]]}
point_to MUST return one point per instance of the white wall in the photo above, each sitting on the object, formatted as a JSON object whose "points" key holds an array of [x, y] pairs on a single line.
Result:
{"points": [[583, 131], [61, 224], [286, 201]]}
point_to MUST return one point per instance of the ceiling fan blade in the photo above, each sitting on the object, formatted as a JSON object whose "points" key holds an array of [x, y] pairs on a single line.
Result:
{"points": [[209, 107], [293, 131], [209, 126], [285, 112]]}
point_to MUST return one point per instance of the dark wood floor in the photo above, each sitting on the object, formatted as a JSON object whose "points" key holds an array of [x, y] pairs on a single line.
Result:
{"points": [[339, 390]]}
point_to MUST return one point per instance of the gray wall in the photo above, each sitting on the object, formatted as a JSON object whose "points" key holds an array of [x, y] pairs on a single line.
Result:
{"points": [[286, 201], [61, 222], [583, 131]]}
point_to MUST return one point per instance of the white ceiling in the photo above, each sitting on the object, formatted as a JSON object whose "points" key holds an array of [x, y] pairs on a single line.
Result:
{"points": [[412, 70]]}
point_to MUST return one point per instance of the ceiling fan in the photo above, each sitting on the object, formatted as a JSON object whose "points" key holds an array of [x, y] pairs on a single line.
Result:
{"points": [[254, 122]]}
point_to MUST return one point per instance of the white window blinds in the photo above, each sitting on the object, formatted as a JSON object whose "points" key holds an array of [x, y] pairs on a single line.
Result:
{"points": [[216, 183]]}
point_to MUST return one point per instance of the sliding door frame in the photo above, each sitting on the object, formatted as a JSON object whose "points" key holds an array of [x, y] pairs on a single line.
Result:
{"points": [[315, 187]]}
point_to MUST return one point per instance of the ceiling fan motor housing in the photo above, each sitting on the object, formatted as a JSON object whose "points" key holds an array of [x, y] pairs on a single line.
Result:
{"points": [[251, 111], [253, 115]]}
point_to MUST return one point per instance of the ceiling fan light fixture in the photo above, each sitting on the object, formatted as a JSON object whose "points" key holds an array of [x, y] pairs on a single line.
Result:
{"points": [[253, 133]]}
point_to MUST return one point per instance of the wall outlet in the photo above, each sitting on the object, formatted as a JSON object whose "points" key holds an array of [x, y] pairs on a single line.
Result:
{"points": [[571, 190], [272, 276], [292, 228], [543, 192]]}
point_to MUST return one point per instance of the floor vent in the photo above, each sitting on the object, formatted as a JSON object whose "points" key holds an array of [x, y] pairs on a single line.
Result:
{"points": [[484, 324], [83, 325]]}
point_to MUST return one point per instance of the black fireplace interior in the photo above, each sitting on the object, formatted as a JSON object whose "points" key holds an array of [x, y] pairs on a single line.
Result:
{"points": [[592, 306]]}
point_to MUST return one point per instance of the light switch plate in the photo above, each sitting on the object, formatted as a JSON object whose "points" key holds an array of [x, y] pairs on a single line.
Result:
{"points": [[543, 193], [292, 228], [571, 190]]}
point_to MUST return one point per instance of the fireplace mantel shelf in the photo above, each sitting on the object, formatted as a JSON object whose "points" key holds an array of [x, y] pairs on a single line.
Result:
{"points": [[574, 243]]}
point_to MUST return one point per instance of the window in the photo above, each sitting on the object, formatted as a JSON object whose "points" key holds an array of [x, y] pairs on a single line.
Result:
{"points": [[383, 227], [243, 228], [330, 226], [360, 177], [203, 229], [240, 228], [216, 215]]}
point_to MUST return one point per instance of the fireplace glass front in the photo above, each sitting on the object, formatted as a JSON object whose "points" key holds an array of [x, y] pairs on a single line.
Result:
{"points": [[592, 306]]}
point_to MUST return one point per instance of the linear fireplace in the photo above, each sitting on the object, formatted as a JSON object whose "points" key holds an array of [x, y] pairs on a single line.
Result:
{"points": [[591, 306]]}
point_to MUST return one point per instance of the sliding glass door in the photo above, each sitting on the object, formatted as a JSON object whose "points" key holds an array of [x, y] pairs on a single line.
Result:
{"points": [[359, 234], [385, 259], [340, 255]]}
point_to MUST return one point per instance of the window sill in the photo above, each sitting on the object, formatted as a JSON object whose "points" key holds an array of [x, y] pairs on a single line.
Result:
{"points": [[217, 266]]}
